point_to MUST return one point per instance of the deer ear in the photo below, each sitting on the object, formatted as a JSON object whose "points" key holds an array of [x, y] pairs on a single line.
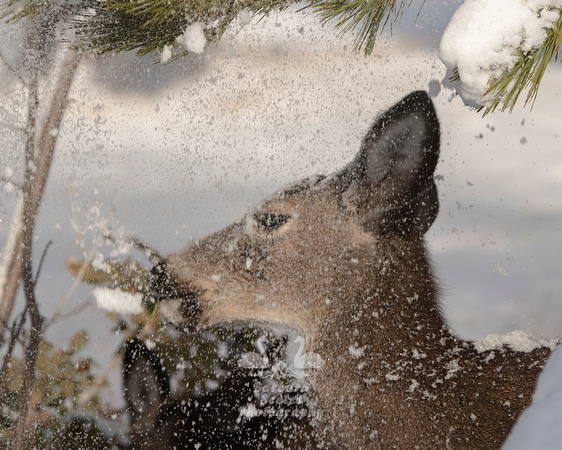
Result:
{"points": [[390, 182]]}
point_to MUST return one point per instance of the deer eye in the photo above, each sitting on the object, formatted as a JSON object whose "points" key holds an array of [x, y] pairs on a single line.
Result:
{"points": [[271, 221]]}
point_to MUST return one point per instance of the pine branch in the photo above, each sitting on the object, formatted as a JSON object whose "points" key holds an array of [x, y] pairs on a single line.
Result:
{"points": [[14, 10], [149, 25], [527, 73], [369, 17], [12, 69]]}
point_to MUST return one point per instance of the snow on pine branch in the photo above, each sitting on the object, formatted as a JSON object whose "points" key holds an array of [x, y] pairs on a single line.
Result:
{"points": [[490, 41]]}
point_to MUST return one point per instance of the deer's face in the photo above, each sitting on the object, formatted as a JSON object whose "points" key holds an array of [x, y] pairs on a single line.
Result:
{"points": [[309, 250], [283, 262]]}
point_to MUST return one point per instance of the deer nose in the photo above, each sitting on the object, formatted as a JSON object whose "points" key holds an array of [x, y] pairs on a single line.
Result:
{"points": [[178, 306], [161, 284]]}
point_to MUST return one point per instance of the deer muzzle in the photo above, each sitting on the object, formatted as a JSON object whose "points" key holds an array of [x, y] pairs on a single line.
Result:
{"points": [[177, 303]]}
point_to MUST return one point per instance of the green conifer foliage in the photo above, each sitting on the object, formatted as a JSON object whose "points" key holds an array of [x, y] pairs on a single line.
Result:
{"points": [[148, 26]]}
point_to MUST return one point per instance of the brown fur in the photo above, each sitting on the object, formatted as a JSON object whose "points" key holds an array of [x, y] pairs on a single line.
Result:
{"points": [[347, 267]]}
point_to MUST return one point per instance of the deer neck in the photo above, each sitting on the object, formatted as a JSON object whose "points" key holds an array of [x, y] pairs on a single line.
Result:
{"points": [[390, 358], [391, 303]]}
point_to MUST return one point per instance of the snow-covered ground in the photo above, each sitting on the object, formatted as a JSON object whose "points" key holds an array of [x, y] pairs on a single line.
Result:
{"points": [[184, 149]]}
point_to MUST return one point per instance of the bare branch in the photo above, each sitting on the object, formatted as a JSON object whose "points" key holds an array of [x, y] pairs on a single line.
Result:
{"points": [[41, 158], [35, 177], [15, 332], [13, 70], [59, 316], [12, 127], [154, 255], [32, 348], [41, 262], [89, 254]]}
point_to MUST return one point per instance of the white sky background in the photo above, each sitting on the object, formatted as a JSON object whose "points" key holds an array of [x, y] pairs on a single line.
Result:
{"points": [[186, 148]]}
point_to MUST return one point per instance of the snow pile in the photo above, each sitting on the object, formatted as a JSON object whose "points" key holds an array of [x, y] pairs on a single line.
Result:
{"points": [[484, 38], [193, 38], [116, 300], [538, 426], [518, 341]]}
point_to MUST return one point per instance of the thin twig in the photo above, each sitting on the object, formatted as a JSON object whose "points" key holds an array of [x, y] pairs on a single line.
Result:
{"points": [[89, 254], [12, 127], [77, 280], [31, 350], [8, 180], [16, 330], [154, 255], [59, 316], [13, 70], [41, 262]]}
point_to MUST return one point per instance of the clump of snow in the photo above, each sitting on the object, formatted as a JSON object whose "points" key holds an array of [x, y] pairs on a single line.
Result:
{"points": [[518, 341], [211, 385], [392, 377], [166, 54], [484, 38], [249, 411], [413, 386], [356, 351], [9, 187], [193, 38], [116, 300], [244, 17], [539, 425], [452, 368]]}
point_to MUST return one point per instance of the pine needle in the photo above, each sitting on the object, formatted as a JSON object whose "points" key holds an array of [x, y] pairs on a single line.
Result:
{"points": [[370, 17], [149, 25]]}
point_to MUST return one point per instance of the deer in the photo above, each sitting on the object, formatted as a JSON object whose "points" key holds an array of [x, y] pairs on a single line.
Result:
{"points": [[342, 259]]}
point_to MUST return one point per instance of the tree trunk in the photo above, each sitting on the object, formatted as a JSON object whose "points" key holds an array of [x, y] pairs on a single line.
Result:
{"points": [[39, 150]]}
